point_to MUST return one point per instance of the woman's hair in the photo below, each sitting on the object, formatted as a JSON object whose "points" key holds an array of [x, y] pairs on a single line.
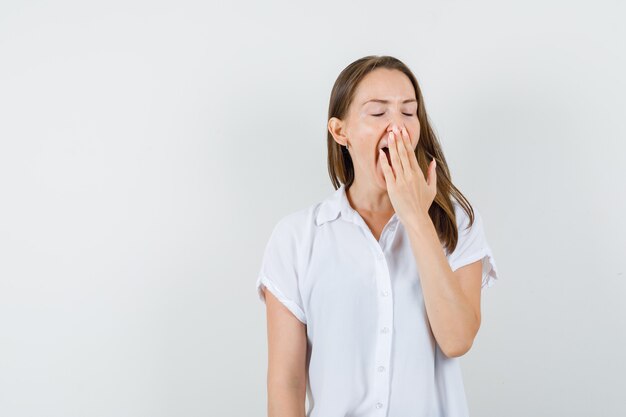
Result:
{"points": [[341, 168]]}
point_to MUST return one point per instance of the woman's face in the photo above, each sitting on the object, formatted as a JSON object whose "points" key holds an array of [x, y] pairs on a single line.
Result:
{"points": [[384, 100]]}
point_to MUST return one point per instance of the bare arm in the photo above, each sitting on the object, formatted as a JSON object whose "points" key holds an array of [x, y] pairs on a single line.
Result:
{"points": [[287, 347], [452, 298]]}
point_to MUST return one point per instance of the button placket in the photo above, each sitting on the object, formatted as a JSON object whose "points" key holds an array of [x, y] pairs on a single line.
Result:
{"points": [[385, 311], [385, 320]]}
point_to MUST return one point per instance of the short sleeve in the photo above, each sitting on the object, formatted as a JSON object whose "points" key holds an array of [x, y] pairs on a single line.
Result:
{"points": [[279, 272], [472, 246]]}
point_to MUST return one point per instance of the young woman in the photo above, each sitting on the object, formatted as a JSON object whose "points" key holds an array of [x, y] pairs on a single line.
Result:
{"points": [[373, 293]]}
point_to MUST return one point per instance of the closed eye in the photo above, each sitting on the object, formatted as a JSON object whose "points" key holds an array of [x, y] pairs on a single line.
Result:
{"points": [[380, 114]]}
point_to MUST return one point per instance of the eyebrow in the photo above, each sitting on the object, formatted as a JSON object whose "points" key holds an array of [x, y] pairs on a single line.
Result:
{"points": [[377, 100]]}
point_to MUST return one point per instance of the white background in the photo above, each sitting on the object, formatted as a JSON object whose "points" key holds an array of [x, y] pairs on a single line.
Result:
{"points": [[147, 148]]}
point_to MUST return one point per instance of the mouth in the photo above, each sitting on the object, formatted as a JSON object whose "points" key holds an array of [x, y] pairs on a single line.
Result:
{"points": [[386, 150], [383, 144]]}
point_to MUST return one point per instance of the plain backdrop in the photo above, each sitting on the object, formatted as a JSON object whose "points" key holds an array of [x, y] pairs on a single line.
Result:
{"points": [[147, 148]]}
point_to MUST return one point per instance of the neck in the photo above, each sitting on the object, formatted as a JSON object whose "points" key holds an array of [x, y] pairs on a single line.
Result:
{"points": [[369, 198]]}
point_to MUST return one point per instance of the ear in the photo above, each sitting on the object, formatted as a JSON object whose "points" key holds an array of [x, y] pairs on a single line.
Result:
{"points": [[336, 128]]}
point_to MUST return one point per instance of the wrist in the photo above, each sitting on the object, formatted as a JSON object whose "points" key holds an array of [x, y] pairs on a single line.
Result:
{"points": [[419, 222]]}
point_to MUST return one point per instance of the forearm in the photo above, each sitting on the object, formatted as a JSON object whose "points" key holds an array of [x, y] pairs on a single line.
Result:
{"points": [[452, 319], [285, 399]]}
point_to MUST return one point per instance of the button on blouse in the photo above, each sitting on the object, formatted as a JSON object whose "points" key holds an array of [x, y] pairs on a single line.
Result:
{"points": [[371, 349]]}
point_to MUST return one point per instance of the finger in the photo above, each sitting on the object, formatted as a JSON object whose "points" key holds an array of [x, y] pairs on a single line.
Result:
{"points": [[396, 163], [403, 152], [410, 151], [387, 171]]}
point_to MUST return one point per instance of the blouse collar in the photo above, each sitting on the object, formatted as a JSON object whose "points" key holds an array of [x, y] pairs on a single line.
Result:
{"points": [[337, 203]]}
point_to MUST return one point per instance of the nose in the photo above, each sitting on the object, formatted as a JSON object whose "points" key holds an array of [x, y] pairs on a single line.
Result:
{"points": [[395, 121], [395, 125]]}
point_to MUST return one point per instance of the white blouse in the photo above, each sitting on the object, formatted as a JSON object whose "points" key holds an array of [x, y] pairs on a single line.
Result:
{"points": [[371, 351]]}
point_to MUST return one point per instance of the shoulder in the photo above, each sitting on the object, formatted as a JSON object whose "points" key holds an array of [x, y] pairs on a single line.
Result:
{"points": [[297, 224], [463, 218], [291, 237]]}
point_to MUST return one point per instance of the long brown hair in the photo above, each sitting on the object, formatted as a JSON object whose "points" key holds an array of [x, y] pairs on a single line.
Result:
{"points": [[341, 169]]}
